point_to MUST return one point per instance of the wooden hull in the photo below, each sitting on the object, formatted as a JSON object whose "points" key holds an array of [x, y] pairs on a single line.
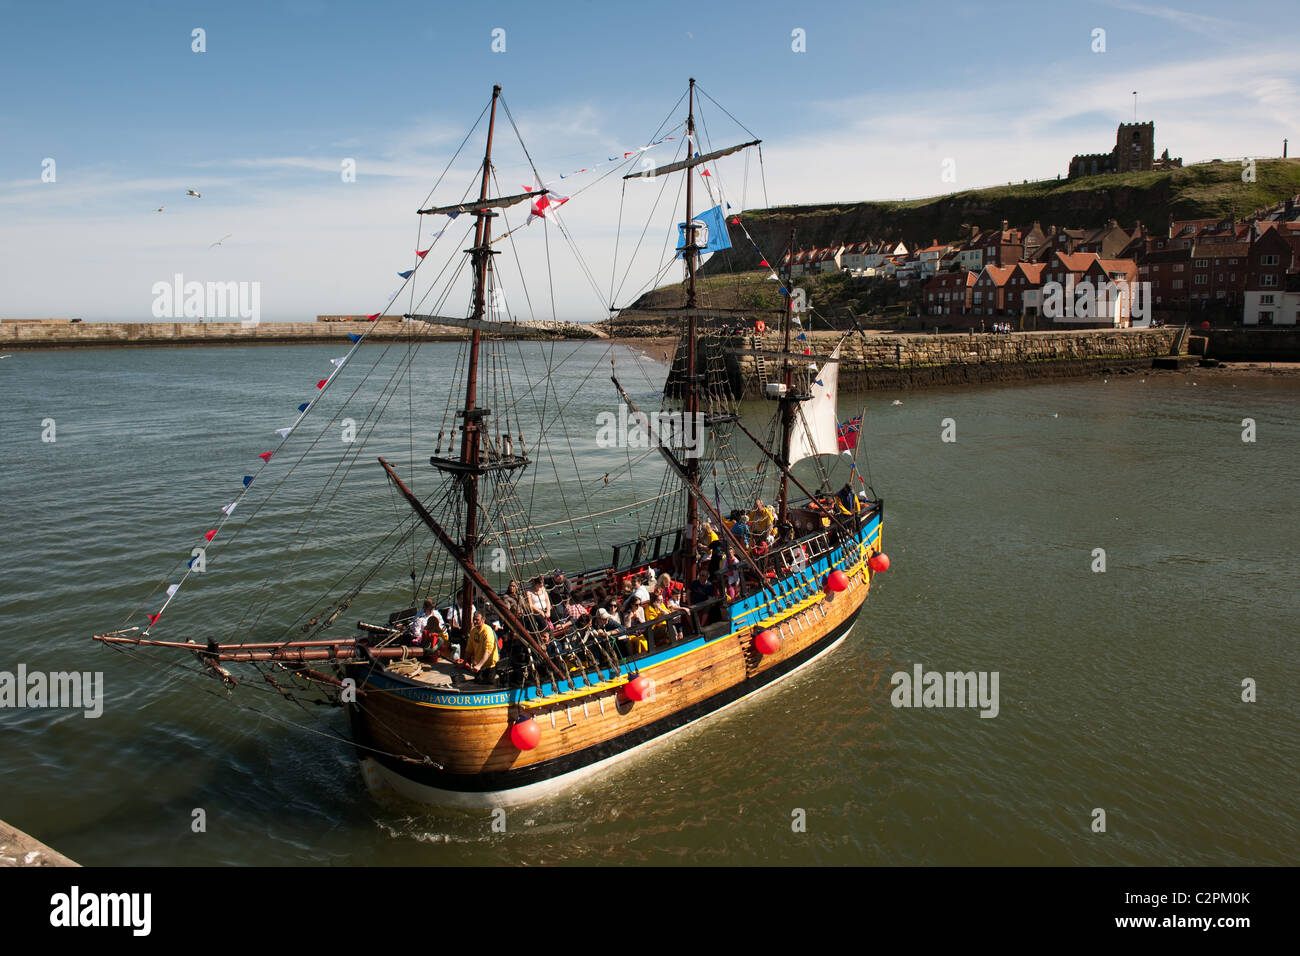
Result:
{"points": [[466, 736]]}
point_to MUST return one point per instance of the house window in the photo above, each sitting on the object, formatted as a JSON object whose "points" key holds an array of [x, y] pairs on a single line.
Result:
{"points": [[1160, 244], [1265, 300], [1202, 280], [1268, 282], [1177, 283], [1220, 276], [1202, 263], [1178, 267], [1266, 318], [1268, 260], [1232, 262]]}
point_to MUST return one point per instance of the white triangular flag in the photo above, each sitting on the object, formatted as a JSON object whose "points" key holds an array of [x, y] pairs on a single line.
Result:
{"points": [[171, 589], [230, 508], [796, 320], [775, 276], [338, 361], [283, 432]]}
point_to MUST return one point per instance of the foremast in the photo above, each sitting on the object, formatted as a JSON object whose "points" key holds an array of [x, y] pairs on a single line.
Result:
{"points": [[692, 407], [789, 400]]}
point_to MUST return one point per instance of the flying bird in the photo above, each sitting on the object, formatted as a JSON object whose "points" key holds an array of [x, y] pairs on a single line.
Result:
{"points": [[222, 239], [191, 192], [160, 209]]}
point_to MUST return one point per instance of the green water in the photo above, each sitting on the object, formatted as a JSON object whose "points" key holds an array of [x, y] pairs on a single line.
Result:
{"points": [[1119, 690]]}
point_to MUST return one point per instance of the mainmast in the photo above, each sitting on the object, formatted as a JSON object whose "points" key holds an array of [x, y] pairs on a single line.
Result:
{"points": [[692, 409], [470, 445], [789, 401]]}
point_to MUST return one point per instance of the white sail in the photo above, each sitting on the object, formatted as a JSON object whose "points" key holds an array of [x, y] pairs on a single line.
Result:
{"points": [[815, 425]]}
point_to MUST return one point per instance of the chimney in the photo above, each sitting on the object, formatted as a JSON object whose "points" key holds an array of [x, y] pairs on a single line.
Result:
{"points": [[1138, 231], [1004, 225], [1171, 226], [974, 231]]}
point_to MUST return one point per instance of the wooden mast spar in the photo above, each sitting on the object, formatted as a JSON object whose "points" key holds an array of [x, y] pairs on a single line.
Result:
{"points": [[470, 446], [692, 373]]}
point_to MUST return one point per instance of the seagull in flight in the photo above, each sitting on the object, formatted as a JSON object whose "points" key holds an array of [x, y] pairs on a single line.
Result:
{"points": [[222, 239], [191, 192], [160, 209]]}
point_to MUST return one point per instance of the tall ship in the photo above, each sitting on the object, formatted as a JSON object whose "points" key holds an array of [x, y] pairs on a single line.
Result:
{"points": [[497, 667]]}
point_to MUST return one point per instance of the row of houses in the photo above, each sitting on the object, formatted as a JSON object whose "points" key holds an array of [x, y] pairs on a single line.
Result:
{"points": [[1241, 267]]}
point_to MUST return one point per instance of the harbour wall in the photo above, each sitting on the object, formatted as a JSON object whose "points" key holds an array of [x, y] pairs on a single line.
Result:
{"points": [[1252, 345], [62, 333], [918, 361]]}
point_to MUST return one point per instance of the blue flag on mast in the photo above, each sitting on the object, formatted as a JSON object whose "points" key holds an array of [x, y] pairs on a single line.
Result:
{"points": [[710, 232]]}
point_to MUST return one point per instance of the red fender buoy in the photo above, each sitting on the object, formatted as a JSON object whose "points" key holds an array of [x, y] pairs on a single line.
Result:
{"points": [[526, 734], [768, 642], [837, 581], [637, 688], [878, 562]]}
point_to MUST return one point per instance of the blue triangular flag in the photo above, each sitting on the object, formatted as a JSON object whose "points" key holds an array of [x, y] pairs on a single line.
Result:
{"points": [[248, 480], [406, 274], [453, 215], [819, 382], [784, 290], [303, 406], [803, 338], [354, 339]]}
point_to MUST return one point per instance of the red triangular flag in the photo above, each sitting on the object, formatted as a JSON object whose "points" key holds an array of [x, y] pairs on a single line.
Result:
{"points": [[763, 262], [153, 618], [735, 220], [371, 318], [704, 172], [424, 253], [265, 456], [321, 383], [211, 534]]}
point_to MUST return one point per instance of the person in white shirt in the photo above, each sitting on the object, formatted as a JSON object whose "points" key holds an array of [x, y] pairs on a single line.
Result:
{"points": [[428, 621]]}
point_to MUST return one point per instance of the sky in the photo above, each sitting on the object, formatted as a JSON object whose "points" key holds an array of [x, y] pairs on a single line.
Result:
{"points": [[110, 113]]}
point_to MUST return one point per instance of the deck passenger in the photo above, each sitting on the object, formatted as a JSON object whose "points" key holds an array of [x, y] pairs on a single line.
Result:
{"points": [[481, 655]]}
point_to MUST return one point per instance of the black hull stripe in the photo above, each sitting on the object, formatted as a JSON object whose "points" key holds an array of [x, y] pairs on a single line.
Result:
{"points": [[536, 773]]}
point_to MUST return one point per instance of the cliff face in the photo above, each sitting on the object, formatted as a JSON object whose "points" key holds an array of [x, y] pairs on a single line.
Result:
{"points": [[1208, 190]]}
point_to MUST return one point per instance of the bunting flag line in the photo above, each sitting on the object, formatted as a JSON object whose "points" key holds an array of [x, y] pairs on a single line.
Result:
{"points": [[302, 408], [229, 509], [171, 589], [407, 274], [321, 383], [266, 455], [210, 534], [354, 339], [284, 432], [372, 318], [248, 480], [424, 253], [338, 362]]}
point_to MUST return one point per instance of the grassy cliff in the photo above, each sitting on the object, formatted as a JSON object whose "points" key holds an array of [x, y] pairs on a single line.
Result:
{"points": [[1207, 190]]}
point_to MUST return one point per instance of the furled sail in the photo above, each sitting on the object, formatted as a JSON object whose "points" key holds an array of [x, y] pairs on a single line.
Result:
{"points": [[500, 202], [815, 424], [652, 171]]}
